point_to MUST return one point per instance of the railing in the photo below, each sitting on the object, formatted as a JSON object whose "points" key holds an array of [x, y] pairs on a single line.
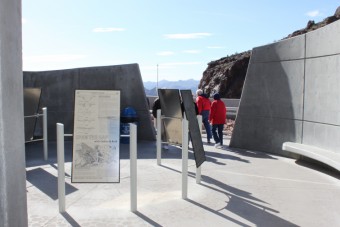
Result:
{"points": [[44, 115], [231, 112], [231, 105]]}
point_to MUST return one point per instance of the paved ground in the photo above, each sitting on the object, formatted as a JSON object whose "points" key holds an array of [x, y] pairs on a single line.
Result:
{"points": [[238, 188]]}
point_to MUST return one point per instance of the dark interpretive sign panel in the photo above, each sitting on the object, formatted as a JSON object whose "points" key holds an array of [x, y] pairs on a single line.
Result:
{"points": [[96, 136], [31, 105], [194, 130], [171, 109]]}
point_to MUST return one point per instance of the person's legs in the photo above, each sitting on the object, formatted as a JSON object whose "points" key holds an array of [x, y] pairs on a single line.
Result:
{"points": [[205, 119], [164, 137], [220, 133], [214, 133]]}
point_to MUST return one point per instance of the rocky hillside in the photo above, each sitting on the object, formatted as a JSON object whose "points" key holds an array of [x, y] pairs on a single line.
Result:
{"points": [[227, 74]]}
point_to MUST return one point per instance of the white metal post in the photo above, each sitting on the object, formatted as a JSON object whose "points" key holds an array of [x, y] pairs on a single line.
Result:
{"points": [[159, 137], [133, 166], [198, 170], [61, 168], [184, 158], [45, 133]]}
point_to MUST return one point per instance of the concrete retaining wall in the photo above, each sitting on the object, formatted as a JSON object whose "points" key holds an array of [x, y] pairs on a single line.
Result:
{"points": [[291, 93], [58, 89], [13, 201]]}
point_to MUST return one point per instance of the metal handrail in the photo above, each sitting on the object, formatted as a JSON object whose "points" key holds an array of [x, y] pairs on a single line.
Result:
{"points": [[44, 139]]}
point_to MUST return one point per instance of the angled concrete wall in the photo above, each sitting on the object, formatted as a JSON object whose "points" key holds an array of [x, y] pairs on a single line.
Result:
{"points": [[322, 88], [58, 89], [13, 202], [291, 94]]}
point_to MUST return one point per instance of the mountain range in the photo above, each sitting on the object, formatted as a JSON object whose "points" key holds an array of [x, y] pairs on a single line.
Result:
{"points": [[150, 87]]}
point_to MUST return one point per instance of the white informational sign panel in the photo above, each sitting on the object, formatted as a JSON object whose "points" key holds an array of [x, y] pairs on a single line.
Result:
{"points": [[96, 136]]}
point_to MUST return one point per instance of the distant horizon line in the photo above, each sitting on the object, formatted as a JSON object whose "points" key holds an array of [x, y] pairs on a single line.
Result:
{"points": [[169, 80]]}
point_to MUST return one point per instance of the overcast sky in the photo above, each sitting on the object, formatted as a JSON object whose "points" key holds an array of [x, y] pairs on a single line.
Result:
{"points": [[181, 37]]}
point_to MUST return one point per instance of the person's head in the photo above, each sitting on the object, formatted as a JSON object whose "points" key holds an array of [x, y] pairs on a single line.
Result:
{"points": [[199, 92], [217, 96]]}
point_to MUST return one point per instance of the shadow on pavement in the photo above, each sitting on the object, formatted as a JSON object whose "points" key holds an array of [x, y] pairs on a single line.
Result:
{"points": [[239, 203], [318, 166], [248, 153], [47, 183], [148, 220], [70, 220], [216, 213]]}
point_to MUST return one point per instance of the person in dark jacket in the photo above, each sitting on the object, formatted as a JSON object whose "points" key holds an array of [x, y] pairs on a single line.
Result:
{"points": [[156, 106], [217, 118]]}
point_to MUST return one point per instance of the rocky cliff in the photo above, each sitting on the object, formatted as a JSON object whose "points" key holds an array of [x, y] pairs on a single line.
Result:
{"points": [[227, 74]]}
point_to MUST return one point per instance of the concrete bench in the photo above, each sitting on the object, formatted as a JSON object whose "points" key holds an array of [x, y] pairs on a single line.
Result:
{"points": [[327, 157]]}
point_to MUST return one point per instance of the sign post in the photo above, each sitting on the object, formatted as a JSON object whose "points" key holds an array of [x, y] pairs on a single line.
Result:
{"points": [[133, 166], [159, 137], [184, 158], [61, 167]]}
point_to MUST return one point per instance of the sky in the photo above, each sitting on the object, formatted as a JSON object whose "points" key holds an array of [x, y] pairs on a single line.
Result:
{"points": [[169, 40]]}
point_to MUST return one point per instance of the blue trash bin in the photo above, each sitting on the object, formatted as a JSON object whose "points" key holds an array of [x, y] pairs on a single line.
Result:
{"points": [[128, 115]]}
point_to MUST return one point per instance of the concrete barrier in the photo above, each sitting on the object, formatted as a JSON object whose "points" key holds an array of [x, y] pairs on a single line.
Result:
{"points": [[232, 107], [13, 201], [58, 88], [291, 94]]}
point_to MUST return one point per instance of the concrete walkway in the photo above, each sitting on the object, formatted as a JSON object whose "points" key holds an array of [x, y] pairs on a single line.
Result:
{"points": [[238, 188]]}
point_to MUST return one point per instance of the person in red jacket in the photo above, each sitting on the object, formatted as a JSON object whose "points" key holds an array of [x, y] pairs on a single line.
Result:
{"points": [[218, 118], [203, 105]]}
